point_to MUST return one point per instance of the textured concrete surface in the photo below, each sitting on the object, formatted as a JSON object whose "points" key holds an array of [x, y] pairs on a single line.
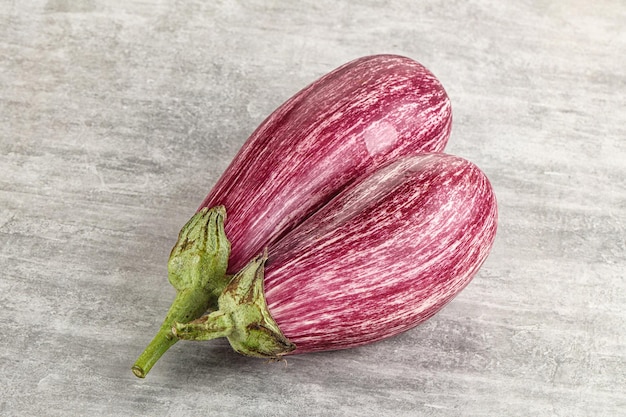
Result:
{"points": [[116, 117]]}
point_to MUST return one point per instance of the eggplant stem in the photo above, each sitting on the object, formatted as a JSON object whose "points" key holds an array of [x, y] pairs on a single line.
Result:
{"points": [[243, 317], [197, 269], [215, 325], [187, 306]]}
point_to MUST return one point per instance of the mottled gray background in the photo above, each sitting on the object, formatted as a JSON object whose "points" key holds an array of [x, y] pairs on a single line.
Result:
{"points": [[117, 117]]}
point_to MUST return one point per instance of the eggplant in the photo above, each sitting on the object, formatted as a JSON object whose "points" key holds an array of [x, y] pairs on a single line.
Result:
{"points": [[358, 117], [381, 257], [363, 114]]}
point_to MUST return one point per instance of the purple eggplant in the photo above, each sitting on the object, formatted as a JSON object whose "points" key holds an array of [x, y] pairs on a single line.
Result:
{"points": [[384, 255], [351, 121], [361, 115]]}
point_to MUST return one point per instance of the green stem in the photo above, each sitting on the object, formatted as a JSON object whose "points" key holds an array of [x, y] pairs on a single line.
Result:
{"points": [[187, 305], [243, 317], [197, 269], [212, 326]]}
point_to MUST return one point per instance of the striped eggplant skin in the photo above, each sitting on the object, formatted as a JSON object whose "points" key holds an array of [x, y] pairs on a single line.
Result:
{"points": [[382, 256], [363, 114]]}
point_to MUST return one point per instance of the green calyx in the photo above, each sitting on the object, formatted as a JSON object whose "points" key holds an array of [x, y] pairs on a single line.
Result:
{"points": [[197, 269], [242, 317]]}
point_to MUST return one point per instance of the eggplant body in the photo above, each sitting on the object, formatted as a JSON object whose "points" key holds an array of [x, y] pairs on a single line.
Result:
{"points": [[384, 255], [349, 122]]}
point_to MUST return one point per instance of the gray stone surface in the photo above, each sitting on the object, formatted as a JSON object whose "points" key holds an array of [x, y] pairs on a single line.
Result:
{"points": [[116, 117]]}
